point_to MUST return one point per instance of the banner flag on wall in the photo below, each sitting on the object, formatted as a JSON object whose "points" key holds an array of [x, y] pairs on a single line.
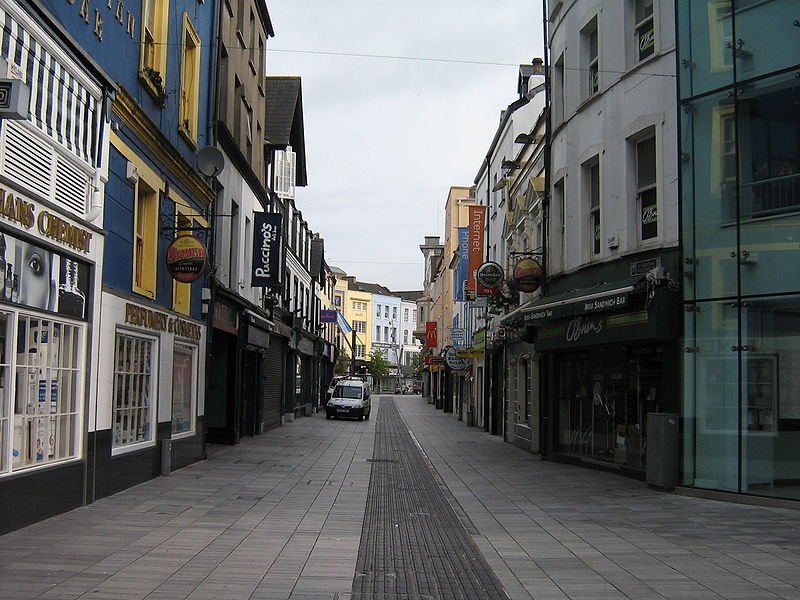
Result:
{"points": [[344, 326], [477, 225], [431, 340], [463, 263], [266, 249]]}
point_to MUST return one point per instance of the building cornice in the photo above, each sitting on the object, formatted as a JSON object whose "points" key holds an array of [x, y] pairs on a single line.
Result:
{"points": [[134, 118]]}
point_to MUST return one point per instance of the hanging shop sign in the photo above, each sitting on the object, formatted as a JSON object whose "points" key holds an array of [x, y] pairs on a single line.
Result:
{"points": [[469, 353], [327, 316], [528, 275], [187, 259], [266, 249], [431, 339], [490, 275], [462, 270], [454, 361]]}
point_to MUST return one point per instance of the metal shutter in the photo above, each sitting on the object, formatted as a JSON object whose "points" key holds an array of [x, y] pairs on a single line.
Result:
{"points": [[272, 382]]}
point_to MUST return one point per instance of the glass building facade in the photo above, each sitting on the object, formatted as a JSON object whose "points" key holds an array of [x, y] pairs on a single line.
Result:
{"points": [[739, 88]]}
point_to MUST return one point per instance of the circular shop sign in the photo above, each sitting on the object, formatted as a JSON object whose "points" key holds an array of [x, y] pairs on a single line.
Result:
{"points": [[454, 362], [187, 259], [490, 275], [528, 275]]}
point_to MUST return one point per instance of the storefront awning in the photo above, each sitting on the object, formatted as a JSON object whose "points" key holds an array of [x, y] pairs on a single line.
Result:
{"points": [[603, 297]]}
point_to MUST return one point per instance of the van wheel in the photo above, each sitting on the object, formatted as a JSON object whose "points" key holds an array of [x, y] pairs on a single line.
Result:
{"points": [[327, 416]]}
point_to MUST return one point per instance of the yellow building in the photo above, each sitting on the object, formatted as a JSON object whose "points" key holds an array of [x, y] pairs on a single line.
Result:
{"points": [[356, 306]]}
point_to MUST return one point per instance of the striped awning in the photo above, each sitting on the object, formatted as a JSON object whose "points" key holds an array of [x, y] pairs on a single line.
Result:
{"points": [[61, 106]]}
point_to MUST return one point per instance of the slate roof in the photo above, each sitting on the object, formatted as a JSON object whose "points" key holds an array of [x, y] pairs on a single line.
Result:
{"points": [[284, 122]]}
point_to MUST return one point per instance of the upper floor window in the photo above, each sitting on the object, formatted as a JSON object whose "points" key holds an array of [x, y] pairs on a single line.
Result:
{"points": [[645, 30], [153, 59], [360, 326], [394, 312], [378, 312], [405, 314], [145, 242], [405, 336], [361, 351], [377, 333], [181, 292], [646, 191], [591, 57], [190, 80], [591, 171], [285, 172], [385, 312]]}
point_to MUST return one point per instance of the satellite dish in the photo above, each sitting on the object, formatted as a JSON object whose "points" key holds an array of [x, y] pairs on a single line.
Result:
{"points": [[210, 161]]}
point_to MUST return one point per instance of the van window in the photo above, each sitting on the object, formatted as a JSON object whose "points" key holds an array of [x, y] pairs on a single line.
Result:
{"points": [[347, 391]]}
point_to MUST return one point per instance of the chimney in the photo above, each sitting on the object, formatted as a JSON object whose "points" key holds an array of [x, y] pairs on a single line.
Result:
{"points": [[538, 66]]}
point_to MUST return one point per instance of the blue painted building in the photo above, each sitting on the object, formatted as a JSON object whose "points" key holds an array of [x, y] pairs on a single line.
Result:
{"points": [[147, 398]]}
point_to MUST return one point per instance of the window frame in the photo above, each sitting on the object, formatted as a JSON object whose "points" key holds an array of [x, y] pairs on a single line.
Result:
{"points": [[593, 197], [182, 292], [640, 24], [591, 57], [641, 189], [124, 448], [153, 51], [190, 74], [145, 237], [192, 430]]}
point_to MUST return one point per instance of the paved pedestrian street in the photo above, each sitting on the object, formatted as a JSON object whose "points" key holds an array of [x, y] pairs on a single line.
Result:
{"points": [[408, 505]]}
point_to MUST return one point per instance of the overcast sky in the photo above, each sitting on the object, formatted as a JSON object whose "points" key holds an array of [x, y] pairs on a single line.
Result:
{"points": [[387, 137]]}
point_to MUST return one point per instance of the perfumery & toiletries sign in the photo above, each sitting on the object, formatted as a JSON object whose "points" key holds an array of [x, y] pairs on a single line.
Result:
{"points": [[40, 278]]}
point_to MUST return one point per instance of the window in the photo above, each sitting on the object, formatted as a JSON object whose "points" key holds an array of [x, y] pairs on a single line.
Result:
{"points": [[181, 292], [361, 351], [720, 34], [358, 305], [394, 334], [405, 315], [385, 334], [377, 333], [645, 30], [145, 239], [385, 312], [646, 191], [591, 58], [40, 391], [558, 91], [153, 59], [360, 326], [183, 389], [592, 174], [285, 173], [394, 312], [405, 336], [133, 408], [561, 203], [190, 80], [414, 315], [378, 312]]}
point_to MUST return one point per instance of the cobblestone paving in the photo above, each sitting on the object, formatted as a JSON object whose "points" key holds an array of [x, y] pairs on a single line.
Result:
{"points": [[413, 544]]}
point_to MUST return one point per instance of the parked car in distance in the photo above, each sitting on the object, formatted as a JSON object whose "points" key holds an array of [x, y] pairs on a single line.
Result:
{"points": [[417, 389], [350, 398]]}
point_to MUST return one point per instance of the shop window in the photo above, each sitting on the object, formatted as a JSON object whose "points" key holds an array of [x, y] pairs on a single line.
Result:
{"points": [[190, 80], [134, 387], [184, 393], [40, 404], [646, 191], [145, 239], [153, 58], [644, 33]]}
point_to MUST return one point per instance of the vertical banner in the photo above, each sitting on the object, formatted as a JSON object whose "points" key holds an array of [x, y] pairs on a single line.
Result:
{"points": [[463, 263], [431, 340], [266, 249], [477, 226]]}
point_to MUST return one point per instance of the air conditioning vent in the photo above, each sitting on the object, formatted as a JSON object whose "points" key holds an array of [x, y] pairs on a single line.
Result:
{"points": [[72, 186], [27, 159]]}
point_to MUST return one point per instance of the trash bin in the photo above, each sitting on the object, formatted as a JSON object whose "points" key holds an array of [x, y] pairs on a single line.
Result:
{"points": [[662, 450]]}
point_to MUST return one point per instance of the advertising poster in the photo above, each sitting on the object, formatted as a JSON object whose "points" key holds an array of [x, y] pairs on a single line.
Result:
{"points": [[39, 278], [431, 339], [477, 226]]}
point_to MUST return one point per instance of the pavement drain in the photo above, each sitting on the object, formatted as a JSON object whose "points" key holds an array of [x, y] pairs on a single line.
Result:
{"points": [[413, 544]]}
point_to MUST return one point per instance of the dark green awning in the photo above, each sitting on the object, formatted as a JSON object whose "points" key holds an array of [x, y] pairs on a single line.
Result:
{"points": [[603, 297]]}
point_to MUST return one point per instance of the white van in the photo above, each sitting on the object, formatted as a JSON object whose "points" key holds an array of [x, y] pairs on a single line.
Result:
{"points": [[350, 398]]}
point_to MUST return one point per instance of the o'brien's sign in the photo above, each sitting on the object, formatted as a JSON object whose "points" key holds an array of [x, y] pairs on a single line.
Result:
{"points": [[266, 250], [20, 210]]}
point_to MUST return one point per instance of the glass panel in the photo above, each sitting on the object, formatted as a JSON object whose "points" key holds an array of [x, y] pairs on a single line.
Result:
{"points": [[5, 393], [771, 397], [705, 52], [757, 52], [132, 387], [768, 120], [711, 399], [182, 390], [709, 195]]}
